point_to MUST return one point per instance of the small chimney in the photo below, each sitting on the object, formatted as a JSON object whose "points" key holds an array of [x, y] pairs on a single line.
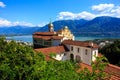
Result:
{"points": [[91, 44]]}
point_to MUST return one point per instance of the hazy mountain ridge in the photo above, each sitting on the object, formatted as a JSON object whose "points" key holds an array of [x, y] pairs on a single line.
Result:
{"points": [[13, 30], [72, 24], [102, 24], [99, 25]]}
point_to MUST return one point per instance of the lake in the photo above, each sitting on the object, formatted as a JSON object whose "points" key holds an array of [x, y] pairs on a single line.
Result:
{"points": [[28, 38]]}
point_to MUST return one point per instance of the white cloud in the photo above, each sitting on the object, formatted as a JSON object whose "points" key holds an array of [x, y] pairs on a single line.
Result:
{"points": [[100, 10], [42, 24], [102, 7], [4, 22], [2, 4], [85, 15], [7, 23], [66, 15], [70, 15], [116, 11]]}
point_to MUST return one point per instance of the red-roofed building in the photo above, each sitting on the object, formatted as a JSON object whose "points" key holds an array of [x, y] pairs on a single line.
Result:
{"points": [[51, 38], [74, 50], [81, 51], [59, 51]]}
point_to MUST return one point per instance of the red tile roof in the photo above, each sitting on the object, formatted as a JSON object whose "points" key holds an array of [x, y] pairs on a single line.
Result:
{"points": [[112, 70], [45, 33], [48, 37], [48, 51], [47, 58], [57, 37], [80, 43], [83, 66]]}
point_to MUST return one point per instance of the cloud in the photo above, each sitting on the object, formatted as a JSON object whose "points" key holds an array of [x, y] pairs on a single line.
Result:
{"points": [[42, 24], [2, 4], [70, 15], [7, 23], [99, 10], [102, 7], [116, 11], [4, 22]]}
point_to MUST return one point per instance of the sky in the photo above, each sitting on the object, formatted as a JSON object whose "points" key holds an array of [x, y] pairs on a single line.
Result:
{"points": [[39, 12]]}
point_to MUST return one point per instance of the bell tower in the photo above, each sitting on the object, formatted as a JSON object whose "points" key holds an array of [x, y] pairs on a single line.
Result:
{"points": [[51, 27]]}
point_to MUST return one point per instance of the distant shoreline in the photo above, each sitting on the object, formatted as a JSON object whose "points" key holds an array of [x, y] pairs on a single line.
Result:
{"points": [[28, 38], [77, 34]]}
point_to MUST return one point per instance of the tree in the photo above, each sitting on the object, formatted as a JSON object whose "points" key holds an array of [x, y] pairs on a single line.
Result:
{"points": [[18, 61], [112, 52]]}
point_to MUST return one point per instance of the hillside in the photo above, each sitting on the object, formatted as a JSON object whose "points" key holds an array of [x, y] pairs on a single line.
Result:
{"points": [[72, 24], [17, 30], [99, 26], [102, 24]]}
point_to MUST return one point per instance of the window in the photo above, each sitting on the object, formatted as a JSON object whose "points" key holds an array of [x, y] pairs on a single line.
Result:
{"points": [[95, 53], [71, 48], [78, 50], [35, 40], [65, 54], [86, 51]]}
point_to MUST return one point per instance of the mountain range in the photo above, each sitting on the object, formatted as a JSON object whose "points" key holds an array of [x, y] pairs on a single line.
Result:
{"points": [[103, 25]]}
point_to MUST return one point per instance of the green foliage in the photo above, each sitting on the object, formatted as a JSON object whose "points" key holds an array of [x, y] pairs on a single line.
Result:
{"points": [[112, 52], [18, 61], [52, 55], [59, 71]]}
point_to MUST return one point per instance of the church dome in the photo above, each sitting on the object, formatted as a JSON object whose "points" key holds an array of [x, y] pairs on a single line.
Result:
{"points": [[66, 27]]}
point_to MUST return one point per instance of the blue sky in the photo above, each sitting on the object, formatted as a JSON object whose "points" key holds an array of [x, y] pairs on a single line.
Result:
{"points": [[39, 12]]}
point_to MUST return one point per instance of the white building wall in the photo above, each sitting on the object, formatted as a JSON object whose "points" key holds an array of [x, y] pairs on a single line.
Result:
{"points": [[85, 57], [61, 57], [94, 54]]}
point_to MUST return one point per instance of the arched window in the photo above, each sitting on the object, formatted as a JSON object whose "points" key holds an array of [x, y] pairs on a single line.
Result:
{"points": [[71, 57]]}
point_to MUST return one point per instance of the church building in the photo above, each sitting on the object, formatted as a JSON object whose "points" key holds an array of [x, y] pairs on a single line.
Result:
{"points": [[62, 44], [51, 38]]}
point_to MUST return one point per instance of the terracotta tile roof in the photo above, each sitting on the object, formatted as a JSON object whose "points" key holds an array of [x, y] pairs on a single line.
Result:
{"points": [[55, 49], [57, 37], [42, 37], [48, 37], [112, 70], [45, 33], [83, 66], [80, 43], [47, 58]]}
